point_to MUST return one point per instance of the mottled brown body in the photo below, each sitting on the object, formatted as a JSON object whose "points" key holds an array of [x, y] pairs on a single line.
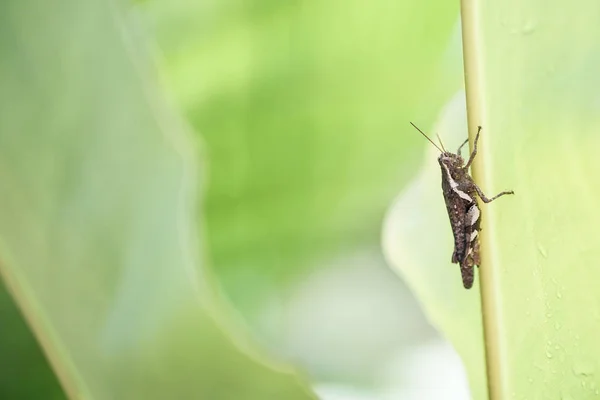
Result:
{"points": [[464, 214], [460, 192]]}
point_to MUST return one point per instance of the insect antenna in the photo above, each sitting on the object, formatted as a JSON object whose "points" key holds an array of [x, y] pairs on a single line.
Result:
{"points": [[427, 137], [440, 139]]}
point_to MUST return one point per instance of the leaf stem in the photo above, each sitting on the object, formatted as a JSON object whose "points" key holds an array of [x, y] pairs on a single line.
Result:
{"points": [[473, 53]]}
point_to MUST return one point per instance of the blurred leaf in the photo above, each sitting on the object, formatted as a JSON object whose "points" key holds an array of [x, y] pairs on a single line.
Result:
{"points": [[97, 215], [24, 372], [302, 106]]}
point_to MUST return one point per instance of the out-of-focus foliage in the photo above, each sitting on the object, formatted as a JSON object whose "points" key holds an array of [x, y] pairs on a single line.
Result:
{"points": [[303, 108], [24, 372], [98, 233]]}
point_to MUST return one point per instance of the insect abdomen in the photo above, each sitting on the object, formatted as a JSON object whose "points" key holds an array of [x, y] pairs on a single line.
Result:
{"points": [[471, 236]]}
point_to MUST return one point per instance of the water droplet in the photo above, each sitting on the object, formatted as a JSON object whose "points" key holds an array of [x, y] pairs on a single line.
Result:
{"points": [[529, 27], [549, 315], [558, 295], [542, 250], [557, 325], [530, 379], [538, 366], [548, 354], [583, 368]]}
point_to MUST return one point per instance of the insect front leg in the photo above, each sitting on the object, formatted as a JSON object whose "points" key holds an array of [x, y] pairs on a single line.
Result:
{"points": [[472, 157], [461, 146], [483, 197]]}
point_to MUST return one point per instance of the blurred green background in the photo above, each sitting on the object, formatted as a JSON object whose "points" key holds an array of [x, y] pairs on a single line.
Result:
{"points": [[303, 108], [301, 111]]}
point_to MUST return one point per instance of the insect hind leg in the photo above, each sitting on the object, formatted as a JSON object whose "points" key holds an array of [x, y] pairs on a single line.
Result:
{"points": [[454, 257], [483, 197]]}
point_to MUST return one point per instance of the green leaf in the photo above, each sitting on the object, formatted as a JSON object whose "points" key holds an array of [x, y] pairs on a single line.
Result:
{"points": [[532, 79], [22, 358], [98, 234], [535, 78]]}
